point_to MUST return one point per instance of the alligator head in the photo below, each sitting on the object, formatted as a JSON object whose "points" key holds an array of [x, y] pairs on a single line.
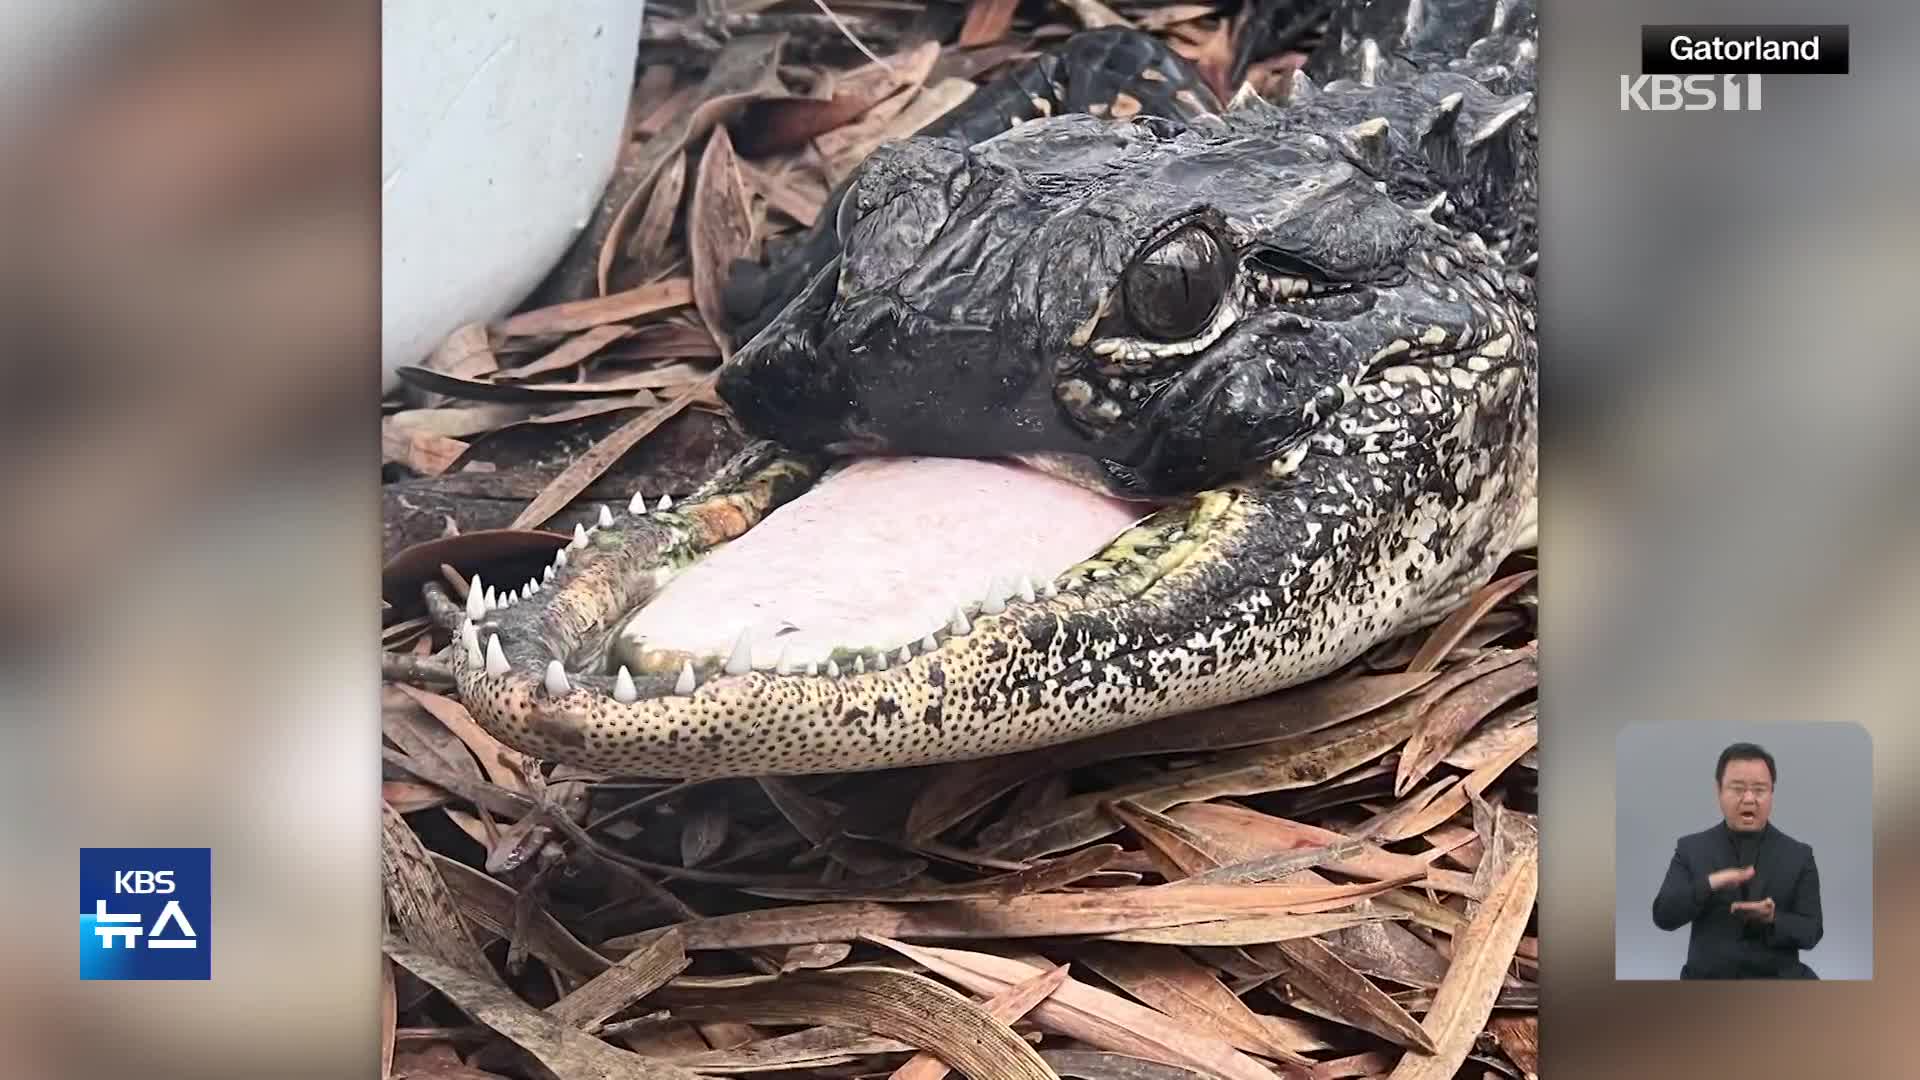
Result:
{"points": [[1092, 422]]}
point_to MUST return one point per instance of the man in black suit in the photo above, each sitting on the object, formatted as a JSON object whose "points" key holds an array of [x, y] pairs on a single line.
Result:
{"points": [[1750, 891]]}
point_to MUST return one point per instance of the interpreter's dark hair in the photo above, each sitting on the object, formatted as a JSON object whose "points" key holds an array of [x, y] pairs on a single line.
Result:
{"points": [[1744, 751]]}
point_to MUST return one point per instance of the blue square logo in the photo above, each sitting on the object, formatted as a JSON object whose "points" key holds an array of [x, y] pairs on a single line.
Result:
{"points": [[146, 913]]}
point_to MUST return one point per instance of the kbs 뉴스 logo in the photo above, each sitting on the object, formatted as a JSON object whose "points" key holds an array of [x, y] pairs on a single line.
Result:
{"points": [[146, 913]]}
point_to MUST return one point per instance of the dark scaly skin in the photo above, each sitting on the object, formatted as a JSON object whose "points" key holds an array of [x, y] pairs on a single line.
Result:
{"points": [[1331, 470]]}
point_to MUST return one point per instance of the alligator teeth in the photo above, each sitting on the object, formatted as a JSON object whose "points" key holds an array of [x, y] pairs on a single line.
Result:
{"points": [[493, 599], [813, 667], [1026, 588], [995, 601], [496, 658], [880, 661], [606, 517], [476, 600], [638, 505], [533, 586], [686, 682], [860, 664], [560, 558], [623, 688], [579, 536], [470, 637], [959, 625], [906, 654], [741, 661], [548, 576], [784, 665], [666, 503], [833, 669], [557, 679], [927, 644], [1050, 589]]}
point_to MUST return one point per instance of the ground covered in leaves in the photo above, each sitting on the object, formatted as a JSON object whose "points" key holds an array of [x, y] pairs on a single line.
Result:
{"points": [[1335, 881]]}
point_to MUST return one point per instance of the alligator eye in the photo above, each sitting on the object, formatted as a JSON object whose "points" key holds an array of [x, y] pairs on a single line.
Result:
{"points": [[1173, 291]]}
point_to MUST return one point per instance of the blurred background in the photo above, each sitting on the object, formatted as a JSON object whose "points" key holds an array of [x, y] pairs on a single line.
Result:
{"points": [[189, 276]]}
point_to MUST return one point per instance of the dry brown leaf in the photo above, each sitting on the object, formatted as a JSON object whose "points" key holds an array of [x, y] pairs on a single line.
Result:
{"points": [[1093, 14], [1010, 1005], [746, 70], [1172, 982], [1308, 964], [420, 903], [569, 1053], [1095, 911], [815, 1047], [1087, 1013], [719, 230], [638, 974], [845, 147], [1455, 626], [570, 354], [1251, 930], [1464, 1002], [1100, 1065], [467, 352], [454, 423], [987, 22], [1451, 717], [899, 1004], [1041, 877], [1241, 834], [788, 192], [648, 244], [494, 756], [583, 314], [588, 466], [408, 797], [423, 452], [965, 787], [1495, 736], [1371, 1063], [1444, 805], [1519, 1039], [488, 905], [1284, 765], [783, 124]]}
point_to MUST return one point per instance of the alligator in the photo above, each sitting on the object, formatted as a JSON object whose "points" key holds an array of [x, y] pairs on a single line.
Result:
{"points": [[1096, 402]]}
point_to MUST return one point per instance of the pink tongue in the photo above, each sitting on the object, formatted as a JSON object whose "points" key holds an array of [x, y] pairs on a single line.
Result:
{"points": [[878, 555]]}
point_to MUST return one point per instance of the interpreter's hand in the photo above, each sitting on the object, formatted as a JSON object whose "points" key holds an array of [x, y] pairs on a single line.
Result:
{"points": [[1726, 879], [1760, 911]]}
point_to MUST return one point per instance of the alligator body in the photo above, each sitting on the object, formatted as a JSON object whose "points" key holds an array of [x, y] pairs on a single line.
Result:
{"points": [[1098, 403]]}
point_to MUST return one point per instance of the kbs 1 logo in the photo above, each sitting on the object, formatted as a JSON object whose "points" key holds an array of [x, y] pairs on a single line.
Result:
{"points": [[146, 913]]}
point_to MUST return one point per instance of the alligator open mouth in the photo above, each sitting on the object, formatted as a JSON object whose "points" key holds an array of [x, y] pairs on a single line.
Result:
{"points": [[866, 568]]}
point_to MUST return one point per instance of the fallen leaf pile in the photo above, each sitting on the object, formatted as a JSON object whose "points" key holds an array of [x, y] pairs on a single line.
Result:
{"points": [[1334, 881]]}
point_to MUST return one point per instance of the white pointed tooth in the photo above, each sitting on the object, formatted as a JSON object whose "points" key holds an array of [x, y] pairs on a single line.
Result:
{"points": [[741, 661], [880, 661], [493, 598], [666, 503], [476, 600], [995, 601], [928, 644], [813, 667], [606, 517], [638, 505], [833, 669], [470, 637], [906, 654], [1050, 589], [860, 663], [509, 598], [784, 665], [623, 688], [557, 683], [959, 625], [533, 586], [560, 560], [686, 682], [496, 658], [548, 576], [579, 535]]}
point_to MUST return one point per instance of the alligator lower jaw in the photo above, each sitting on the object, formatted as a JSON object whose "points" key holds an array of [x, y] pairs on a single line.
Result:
{"points": [[1005, 672]]}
